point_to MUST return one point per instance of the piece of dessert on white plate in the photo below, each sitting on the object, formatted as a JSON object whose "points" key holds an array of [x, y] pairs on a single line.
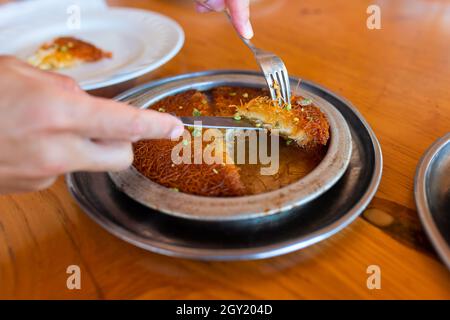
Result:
{"points": [[66, 52]]}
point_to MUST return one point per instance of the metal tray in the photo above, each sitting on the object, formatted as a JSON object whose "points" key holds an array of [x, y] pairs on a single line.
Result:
{"points": [[432, 195], [256, 238], [189, 206]]}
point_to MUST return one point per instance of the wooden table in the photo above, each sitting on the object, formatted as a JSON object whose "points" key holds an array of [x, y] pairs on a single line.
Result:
{"points": [[398, 77]]}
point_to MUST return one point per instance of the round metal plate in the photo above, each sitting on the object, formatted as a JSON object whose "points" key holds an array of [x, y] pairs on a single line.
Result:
{"points": [[244, 239], [189, 206], [432, 195]]}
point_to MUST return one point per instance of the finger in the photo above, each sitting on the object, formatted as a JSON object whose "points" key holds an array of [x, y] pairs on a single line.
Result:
{"points": [[55, 154], [60, 81], [107, 119], [240, 16], [18, 179], [106, 156], [201, 8], [21, 185], [52, 78]]}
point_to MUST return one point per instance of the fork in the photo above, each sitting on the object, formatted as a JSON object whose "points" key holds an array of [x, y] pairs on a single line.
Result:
{"points": [[274, 71], [271, 65]]}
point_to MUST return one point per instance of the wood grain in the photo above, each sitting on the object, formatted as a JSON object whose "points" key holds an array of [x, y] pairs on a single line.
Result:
{"points": [[397, 77]]}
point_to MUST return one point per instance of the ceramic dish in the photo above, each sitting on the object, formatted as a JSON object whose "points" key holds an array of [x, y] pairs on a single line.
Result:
{"points": [[140, 41]]}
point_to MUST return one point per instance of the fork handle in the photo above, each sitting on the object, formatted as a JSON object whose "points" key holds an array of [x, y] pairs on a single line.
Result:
{"points": [[247, 42]]}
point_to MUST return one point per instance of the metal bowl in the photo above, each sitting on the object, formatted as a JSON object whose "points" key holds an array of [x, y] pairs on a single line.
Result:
{"points": [[257, 238], [318, 181], [432, 195]]}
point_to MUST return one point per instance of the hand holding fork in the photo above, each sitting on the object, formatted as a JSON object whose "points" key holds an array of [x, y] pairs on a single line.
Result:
{"points": [[271, 65]]}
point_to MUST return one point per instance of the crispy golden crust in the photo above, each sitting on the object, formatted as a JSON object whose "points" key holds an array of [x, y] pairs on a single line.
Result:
{"points": [[80, 49], [184, 104], [300, 121], [66, 52], [226, 99]]}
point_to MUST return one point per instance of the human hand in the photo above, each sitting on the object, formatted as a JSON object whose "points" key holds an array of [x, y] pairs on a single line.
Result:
{"points": [[49, 126], [239, 11]]}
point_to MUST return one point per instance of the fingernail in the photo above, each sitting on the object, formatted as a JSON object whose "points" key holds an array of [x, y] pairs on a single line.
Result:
{"points": [[217, 5], [248, 30], [201, 8], [177, 131]]}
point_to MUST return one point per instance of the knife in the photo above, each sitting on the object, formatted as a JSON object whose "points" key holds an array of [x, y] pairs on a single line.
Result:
{"points": [[219, 123]]}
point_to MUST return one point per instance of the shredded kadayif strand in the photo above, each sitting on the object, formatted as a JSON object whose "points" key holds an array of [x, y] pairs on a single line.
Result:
{"points": [[153, 160]]}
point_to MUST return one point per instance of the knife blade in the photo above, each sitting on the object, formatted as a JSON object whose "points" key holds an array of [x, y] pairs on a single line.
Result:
{"points": [[219, 123]]}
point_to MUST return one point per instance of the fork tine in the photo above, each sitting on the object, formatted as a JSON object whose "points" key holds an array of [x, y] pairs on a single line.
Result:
{"points": [[281, 85], [270, 81], [286, 86]]}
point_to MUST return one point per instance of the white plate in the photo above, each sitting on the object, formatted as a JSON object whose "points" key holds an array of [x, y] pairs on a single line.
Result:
{"points": [[139, 40]]}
